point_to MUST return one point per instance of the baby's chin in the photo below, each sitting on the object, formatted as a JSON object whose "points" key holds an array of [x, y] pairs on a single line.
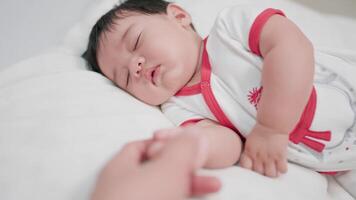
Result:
{"points": [[156, 101], [159, 94]]}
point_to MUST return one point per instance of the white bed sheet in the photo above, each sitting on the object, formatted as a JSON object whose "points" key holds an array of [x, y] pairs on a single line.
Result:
{"points": [[60, 123]]}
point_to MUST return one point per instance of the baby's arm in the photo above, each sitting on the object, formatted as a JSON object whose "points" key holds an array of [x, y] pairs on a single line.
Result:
{"points": [[287, 76], [287, 79], [224, 145]]}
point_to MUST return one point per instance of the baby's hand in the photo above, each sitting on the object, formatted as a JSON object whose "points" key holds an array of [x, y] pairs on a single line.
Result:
{"points": [[265, 151], [161, 138]]}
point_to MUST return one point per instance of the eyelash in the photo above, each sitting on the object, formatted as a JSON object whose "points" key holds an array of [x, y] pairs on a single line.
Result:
{"points": [[128, 78], [138, 39], [128, 74]]}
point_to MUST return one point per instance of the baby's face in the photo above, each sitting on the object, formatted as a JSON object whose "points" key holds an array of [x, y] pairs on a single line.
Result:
{"points": [[150, 56]]}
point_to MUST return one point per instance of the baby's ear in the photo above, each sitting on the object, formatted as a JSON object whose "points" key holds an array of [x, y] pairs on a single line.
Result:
{"points": [[178, 14]]}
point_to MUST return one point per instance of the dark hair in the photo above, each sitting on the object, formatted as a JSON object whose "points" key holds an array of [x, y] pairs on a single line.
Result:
{"points": [[106, 22]]}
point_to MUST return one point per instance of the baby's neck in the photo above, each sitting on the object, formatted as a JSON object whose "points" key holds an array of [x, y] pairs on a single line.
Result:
{"points": [[196, 75]]}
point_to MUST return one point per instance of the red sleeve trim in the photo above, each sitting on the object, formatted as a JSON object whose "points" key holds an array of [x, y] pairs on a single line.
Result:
{"points": [[256, 28], [190, 121]]}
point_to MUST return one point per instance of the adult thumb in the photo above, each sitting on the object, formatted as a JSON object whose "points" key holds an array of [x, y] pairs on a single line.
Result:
{"points": [[180, 158]]}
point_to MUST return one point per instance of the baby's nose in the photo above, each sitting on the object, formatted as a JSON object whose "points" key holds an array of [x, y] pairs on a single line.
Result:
{"points": [[137, 66], [138, 69]]}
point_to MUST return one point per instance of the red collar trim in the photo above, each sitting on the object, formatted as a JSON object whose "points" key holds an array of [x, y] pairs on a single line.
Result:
{"points": [[193, 89], [205, 89], [189, 90], [208, 94]]}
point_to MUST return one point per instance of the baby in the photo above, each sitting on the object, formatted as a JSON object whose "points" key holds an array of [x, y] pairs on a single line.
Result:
{"points": [[255, 87]]}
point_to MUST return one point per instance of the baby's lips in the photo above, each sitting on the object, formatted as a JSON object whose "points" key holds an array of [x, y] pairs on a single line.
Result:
{"points": [[151, 74]]}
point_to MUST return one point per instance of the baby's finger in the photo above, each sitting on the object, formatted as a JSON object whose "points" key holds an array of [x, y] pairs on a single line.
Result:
{"points": [[246, 161], [282, 166], [258, 166], [154, 149], [271, 169], [166, 133], [186, 151]]}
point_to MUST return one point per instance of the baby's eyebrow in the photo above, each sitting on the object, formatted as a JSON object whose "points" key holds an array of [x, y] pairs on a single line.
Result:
{"points": [[126, 32]]}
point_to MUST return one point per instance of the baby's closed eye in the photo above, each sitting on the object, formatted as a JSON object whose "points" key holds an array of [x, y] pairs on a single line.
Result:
{"points": [[137, 41]]}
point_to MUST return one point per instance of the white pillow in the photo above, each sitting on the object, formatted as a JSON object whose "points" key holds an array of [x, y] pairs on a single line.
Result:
{"points": [[59, 124]]}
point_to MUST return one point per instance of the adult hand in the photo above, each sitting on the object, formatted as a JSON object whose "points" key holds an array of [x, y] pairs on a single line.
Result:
{"points": [[170, 175]]}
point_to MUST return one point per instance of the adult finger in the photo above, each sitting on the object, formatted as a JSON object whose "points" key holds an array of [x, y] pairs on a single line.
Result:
{"points": [[175, 166], [186, 151], [202, 185], [163, 134], [131, 154], [154, 149], [122, 163]]}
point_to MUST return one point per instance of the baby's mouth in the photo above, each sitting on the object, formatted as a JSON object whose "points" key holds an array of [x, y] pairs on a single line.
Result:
{"points": [[154, 75]]}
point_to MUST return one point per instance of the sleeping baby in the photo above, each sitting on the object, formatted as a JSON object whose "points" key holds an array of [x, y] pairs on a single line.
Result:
{"points": [[256, 88]]}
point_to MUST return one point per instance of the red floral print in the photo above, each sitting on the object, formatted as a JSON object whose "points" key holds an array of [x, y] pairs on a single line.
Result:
{"points": [[254, 96]]}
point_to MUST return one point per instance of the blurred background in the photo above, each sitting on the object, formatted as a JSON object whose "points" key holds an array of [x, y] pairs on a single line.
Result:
{"points": [[30, 27]]}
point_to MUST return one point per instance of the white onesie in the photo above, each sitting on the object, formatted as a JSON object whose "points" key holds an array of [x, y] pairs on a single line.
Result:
{"points": [[230, 88]]}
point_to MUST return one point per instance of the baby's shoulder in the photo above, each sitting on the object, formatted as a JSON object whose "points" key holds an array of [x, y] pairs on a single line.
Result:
{"points": [[239, 15], [240, 10]]}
